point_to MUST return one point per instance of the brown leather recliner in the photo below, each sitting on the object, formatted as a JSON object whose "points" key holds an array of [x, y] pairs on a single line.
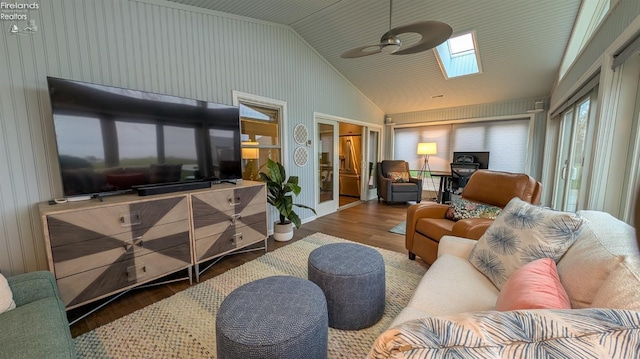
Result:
{"points": [[426, 222]]}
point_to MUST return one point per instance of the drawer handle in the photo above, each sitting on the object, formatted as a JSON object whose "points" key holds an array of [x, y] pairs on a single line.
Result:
{"points": [[234, 238], [129, 247], [234, 218], [128, 219], [136, 272], [236, 203]]}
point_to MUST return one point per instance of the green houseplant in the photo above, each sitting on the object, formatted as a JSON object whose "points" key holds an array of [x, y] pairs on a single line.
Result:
{"points": [[279, 194]]}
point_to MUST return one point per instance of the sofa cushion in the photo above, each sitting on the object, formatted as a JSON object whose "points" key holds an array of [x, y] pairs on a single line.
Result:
{"points": [[521, 234], [398, 177], [621, 288], [434, 227], [37, 330], [6, 296], [451, 285], [411, 188], [603, 243], [464, 208], [534, 286], [541, 333]]}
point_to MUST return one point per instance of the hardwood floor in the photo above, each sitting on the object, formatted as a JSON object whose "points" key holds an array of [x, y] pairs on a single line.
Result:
{"points": [[367, 223]]}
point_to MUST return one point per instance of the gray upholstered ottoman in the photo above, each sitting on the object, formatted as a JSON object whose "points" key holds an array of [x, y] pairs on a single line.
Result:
{"points": [[274, 317], [352, 278]]}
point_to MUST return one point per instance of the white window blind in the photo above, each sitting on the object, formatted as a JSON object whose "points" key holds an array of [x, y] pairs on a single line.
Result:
{"points": [[405, 146], [507, 142]]}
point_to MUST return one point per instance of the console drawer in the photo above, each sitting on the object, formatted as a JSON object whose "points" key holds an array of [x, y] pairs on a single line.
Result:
{"points": [[92, 223], [82, 256], [230, 239], [216, 222], [232, 199], [99, 282]]}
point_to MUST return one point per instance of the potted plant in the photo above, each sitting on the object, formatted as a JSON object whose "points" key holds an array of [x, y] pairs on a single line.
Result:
{"points": [[279, 189]]}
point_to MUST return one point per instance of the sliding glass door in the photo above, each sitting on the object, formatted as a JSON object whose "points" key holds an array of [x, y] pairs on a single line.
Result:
{"points": [[571, 155]]}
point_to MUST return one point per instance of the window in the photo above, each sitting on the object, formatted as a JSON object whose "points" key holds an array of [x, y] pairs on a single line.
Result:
{"points": [[461, 45], [458, 56], [505, 140], [591, 14], [260, 128]]}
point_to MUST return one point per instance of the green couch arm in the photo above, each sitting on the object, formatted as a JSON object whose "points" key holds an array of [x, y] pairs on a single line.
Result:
{"points": [[30, 287]]}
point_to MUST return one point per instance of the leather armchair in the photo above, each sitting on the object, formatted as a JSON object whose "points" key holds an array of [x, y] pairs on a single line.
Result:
{"points": [[426, 223], [397, 192]]}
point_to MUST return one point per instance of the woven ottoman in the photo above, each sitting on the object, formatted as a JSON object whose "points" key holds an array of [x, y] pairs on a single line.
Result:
{"points": [[274, 317], [352, 278]]}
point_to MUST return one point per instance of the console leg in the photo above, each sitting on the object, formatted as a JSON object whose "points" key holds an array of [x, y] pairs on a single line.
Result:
{"points": [[412, 256]]}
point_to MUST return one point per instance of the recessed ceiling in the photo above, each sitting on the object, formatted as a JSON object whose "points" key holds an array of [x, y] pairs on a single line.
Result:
{"points": [[521, 44]]}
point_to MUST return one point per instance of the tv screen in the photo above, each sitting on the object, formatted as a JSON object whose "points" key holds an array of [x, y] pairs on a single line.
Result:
{"points": [[111, 139]]}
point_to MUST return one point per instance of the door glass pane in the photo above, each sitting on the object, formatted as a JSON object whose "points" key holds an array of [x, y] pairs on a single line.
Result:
{"points": [[373, 158], [563, 158], [326, 138], [577, 156]]}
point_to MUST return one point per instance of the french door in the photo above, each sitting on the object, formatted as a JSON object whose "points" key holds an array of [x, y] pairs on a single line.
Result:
{"points": [[374, 154], [327, 196], [568, 191]]}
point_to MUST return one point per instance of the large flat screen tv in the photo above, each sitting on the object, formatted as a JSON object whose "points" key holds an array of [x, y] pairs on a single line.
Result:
{"points": [[112, 139]]}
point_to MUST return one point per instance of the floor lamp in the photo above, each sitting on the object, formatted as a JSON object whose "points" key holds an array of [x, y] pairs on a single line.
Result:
{"points": [[426, 149]]}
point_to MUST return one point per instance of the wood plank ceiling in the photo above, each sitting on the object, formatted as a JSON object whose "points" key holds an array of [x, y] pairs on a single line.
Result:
{"points": [[521, 45]]}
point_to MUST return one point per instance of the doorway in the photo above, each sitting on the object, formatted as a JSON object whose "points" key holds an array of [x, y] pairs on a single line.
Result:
{"points": [[346, 154], [350, 173]]}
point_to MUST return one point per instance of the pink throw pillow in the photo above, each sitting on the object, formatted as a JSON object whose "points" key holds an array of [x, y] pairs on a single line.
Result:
{"points": [[534, 286]]}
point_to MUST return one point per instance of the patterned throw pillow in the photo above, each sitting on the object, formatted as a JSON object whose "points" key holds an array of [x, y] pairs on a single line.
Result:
{"points": [[6, 297], [463, 208], [398, 177], [521, 234]]}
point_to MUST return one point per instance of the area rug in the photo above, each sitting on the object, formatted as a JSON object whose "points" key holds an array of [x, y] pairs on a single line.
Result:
{"points": [[183, 325], [401, 228]]}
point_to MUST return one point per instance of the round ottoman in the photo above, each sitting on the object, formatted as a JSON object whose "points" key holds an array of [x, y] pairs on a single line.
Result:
{"points": [[352, 278], [274, 317]]}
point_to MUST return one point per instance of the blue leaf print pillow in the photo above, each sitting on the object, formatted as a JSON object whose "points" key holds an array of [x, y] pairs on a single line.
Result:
{"points": [[521, 234]]}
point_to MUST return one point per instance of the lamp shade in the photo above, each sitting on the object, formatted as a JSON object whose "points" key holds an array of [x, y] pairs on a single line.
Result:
{"points": [[427, 148], [250, 153]]}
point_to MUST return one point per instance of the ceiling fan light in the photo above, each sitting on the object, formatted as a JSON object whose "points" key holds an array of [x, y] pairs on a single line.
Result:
{"points": [[390, 44], [390, 49]]}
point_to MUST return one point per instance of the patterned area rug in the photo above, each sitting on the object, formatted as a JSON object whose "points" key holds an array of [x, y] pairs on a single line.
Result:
{"points": [[183, 325], [401, 228]]}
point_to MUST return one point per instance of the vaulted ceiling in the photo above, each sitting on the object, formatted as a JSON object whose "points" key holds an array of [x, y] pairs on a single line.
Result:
{"points": [[521, 44]]}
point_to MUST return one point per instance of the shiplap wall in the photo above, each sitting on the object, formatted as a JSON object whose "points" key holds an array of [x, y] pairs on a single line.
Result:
{"points": [[152, 46], [518, 107]]}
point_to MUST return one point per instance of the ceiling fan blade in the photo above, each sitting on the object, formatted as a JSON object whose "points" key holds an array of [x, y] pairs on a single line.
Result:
{"points": [[432, 33], [360, 51]]}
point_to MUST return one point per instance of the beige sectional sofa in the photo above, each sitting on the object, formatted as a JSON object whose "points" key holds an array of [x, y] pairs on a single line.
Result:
{"points": [[600, 270]]}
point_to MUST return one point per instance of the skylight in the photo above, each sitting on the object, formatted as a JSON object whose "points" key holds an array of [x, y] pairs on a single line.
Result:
{"points": [[458, 56], [461, 45]]}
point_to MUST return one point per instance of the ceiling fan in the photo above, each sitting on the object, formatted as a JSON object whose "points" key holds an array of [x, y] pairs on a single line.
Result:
{"points": [[432, 33]]}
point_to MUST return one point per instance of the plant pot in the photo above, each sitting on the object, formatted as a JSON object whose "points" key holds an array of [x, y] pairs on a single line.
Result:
{"points": [[282, 232]]}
